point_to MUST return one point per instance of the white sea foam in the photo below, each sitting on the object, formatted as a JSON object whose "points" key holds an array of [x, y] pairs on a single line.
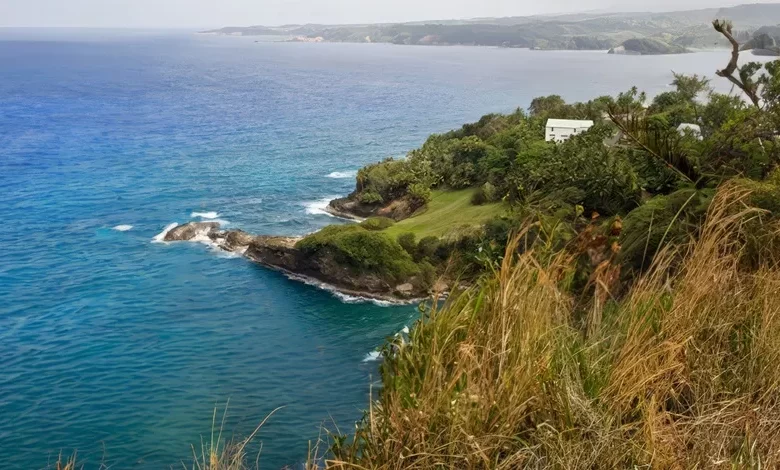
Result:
{"points": [[222, 253], [123, 228], [318, 207], [354, 299], [160, 237], [372, 356], [342, 174], [205, 215]]}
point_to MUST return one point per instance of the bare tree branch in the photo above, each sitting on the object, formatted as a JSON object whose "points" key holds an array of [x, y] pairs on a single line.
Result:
{"points": [[724, 27]]}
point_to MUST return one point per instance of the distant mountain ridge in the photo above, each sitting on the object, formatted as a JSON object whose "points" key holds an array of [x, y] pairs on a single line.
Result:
{"points": [[669, 32]]}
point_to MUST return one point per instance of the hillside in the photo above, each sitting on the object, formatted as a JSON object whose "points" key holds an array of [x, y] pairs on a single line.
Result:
{"points": [[587, 31], [646, 46]]}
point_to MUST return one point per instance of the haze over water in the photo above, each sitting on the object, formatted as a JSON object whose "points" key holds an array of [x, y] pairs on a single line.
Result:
{"points": [[120, 347]]}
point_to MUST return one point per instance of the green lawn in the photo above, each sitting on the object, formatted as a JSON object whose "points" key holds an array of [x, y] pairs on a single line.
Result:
{"points": [[445, 211]]}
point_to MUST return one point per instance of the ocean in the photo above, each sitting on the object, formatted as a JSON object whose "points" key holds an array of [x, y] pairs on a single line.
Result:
{"points": [[121, 347]]}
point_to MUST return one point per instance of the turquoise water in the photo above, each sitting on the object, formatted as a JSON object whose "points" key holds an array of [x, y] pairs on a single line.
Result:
{"points": [[120, 347]]}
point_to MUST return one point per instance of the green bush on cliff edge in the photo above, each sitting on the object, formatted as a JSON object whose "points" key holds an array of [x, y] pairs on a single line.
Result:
{"points": [[362, 249]]}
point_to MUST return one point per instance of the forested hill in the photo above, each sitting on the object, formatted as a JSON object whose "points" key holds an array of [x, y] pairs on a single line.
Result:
{"points": [[679, 30]]}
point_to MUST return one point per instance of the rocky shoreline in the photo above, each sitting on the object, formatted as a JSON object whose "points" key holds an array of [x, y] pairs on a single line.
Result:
{"points": [[281, 254]]}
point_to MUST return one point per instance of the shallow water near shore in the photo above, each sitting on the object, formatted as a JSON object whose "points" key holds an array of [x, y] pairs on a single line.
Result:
{"points": [[120, 347]]}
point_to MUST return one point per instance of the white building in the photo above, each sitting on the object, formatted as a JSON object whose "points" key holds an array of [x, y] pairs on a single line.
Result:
{"points": [[559, 130], [692, 129]]}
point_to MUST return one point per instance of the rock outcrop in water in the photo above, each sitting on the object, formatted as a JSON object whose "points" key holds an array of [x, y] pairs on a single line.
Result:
{"points": [[280, 253], [190, 231]]}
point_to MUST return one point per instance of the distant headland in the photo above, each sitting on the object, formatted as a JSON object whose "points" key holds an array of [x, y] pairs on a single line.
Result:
{"points": [[637, 33]]}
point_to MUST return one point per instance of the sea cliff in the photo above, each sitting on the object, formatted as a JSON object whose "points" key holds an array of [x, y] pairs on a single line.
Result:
{"points": [[324, 267]]}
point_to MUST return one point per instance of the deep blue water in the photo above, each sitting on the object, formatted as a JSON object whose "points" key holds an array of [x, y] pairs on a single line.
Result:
{"points": [[120, 347]]}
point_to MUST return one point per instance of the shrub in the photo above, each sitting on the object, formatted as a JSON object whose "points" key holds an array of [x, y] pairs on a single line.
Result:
{"points": [[763, 233], [426, 248], [427, 274], [464, 237], [658, 222], [364, 250], [420, 194], [498, 230], [389, 179], [605, 176], [478, 198], [485, 194], [377, 223], [408, 242], [462, 176], [371, 197]]}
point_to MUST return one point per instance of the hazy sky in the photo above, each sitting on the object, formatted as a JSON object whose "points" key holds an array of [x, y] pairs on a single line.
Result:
{"points": [[213, 13]]}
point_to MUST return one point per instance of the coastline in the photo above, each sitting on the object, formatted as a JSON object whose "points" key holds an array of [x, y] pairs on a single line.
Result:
{"points": [[320, 284], [279, 254], [343, 214]]}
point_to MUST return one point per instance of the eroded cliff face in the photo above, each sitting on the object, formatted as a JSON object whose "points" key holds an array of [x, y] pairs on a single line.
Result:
{"points": [[279, 253], [350, 208]]}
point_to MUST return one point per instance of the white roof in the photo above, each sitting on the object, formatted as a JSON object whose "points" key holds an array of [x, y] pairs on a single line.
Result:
{"points": [[569, 123], [686, 126]]}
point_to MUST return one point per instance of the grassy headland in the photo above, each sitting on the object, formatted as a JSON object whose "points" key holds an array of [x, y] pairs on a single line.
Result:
{"points": [[446, 211]]}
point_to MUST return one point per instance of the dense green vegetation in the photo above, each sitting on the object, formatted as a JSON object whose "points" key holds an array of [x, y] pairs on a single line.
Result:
{"points": [[362, 249], [633, 168], [633, 179]]}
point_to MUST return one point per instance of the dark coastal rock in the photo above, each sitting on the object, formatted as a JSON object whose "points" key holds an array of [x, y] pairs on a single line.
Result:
{"points": [[348, 208], [233, 240], [405, 290], [190, 230], [397, 209], [275, 252]]}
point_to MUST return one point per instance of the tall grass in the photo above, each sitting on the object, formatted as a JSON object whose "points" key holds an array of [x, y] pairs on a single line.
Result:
{"points": [[682, 372], [216, 453]]}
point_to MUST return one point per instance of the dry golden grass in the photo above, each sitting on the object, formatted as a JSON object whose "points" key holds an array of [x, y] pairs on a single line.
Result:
{"points": [[684, 372], [220, 454]]}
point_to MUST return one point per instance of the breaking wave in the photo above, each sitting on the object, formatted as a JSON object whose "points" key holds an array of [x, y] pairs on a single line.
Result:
{"points": [[160, 237], [318, 207], [205, 215], [342, 174], [372, 356]]}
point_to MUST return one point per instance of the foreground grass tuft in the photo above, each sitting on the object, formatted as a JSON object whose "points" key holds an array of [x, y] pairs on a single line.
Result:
{"points": [[680, 373]]}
